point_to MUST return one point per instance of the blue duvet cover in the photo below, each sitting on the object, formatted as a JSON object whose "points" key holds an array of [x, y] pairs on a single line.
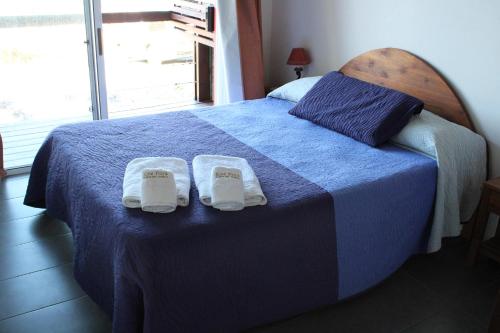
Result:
{"points": [[342, 216]]}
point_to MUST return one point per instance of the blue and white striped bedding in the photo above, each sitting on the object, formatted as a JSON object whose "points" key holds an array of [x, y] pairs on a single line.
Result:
{"points": [[341, 217]]}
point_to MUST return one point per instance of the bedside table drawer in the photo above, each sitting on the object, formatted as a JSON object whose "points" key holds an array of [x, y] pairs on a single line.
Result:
{"points": [[495, 202]]}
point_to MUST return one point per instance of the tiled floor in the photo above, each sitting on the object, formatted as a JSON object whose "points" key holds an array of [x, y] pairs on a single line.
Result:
{"points": [[37, 289], [433, 293]]}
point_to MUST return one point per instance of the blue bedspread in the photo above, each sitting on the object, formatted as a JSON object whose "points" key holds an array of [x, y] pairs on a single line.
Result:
{"points": [[341, 217]]}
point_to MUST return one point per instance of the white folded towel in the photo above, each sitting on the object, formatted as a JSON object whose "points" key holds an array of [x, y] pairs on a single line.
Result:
{"points": [[228, 192], [132, 181], [202, 169], [159, 192]]}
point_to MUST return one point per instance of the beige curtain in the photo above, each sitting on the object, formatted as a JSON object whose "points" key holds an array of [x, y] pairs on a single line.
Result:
{"points": [[250, 40]]}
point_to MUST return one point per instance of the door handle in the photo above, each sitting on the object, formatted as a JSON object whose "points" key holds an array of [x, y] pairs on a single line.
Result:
{"points": [[99, 41]]}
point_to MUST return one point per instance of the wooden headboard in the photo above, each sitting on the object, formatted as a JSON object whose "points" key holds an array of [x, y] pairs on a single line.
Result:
{"points": [[400, 70]]}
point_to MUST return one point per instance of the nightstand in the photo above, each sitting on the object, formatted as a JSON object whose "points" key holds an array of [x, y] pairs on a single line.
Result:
{"points": [[490, 203]]}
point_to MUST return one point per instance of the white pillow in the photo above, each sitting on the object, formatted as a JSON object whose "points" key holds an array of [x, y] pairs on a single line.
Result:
{"points": [[427, 130], [295, 90]]}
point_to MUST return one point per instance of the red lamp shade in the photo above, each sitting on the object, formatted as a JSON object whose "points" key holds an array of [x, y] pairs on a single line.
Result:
{"points": [[299, 57]]}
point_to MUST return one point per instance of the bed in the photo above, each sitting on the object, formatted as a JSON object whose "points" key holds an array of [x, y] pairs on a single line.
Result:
{"points": [[341, 216]]}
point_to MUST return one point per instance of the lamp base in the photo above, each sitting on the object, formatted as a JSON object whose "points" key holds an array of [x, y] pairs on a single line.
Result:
{"points": [[298, 71]]}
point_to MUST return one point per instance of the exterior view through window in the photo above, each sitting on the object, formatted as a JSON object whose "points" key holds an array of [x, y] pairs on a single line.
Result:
{"points": [[48, 69]]}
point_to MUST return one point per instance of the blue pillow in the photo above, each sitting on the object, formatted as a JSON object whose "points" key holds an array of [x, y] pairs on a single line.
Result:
{"points": [[366, 112]]}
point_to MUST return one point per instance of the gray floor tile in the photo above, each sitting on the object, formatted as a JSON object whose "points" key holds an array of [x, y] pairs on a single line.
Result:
{"points": [[76, 316], [448, 321], [13, 187], [37, 290], [13, 209], [447, 273], [479, 304], [398, 303], [30, 229], [35, 256]]}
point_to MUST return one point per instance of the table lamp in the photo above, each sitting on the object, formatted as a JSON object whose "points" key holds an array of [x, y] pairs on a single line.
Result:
{"points": [[299, 58]]}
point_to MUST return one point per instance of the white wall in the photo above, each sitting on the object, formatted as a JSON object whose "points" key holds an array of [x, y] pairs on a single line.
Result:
{"points": [[461, 38]]}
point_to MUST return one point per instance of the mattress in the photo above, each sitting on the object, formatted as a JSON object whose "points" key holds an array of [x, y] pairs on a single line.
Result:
{"points": [[342, 216]]}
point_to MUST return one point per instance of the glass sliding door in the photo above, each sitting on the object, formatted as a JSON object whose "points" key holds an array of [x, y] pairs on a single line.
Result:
{"points": [[44, 73], [149, 63], [93, 20], [67, 61]]}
